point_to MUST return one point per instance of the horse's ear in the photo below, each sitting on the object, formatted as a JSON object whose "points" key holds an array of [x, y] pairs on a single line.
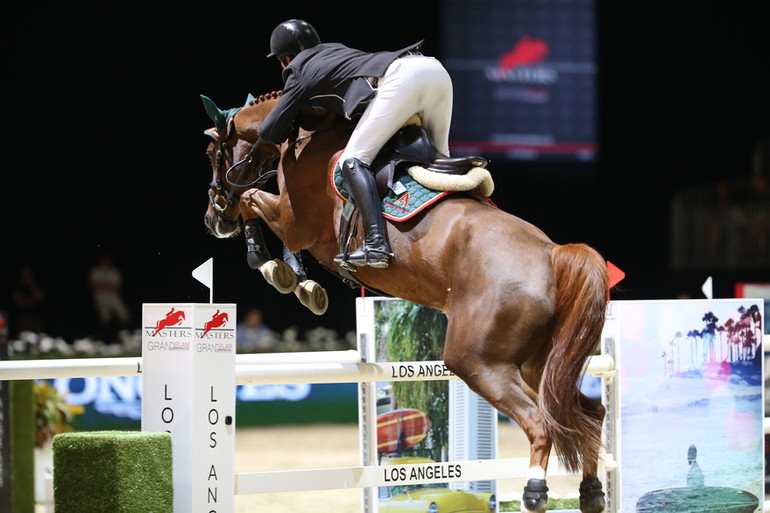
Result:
{"points": [[249, 99], [217, 115]]}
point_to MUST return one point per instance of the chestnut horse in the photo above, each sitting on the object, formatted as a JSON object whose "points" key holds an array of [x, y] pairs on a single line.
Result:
{"points": [[524, 313]]}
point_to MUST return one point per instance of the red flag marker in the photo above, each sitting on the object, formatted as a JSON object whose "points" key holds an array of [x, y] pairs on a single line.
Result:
{"points": [[616, 275]]}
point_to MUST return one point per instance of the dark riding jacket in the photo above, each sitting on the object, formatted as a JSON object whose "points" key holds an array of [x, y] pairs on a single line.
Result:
{"points": [[328, 76]]}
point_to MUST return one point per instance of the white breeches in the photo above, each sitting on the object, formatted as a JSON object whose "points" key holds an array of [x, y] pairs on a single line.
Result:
{"points": [[414, 84]]}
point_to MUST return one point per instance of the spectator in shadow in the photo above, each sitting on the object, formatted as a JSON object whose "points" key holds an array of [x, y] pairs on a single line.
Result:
{"points": [[28, 300], [106, 283], [253, 335]]}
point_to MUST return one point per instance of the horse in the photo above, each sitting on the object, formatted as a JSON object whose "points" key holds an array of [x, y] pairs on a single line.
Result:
{"points": [[523, 312]]}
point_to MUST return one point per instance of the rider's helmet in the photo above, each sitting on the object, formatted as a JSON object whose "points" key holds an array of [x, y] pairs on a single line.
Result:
{"points": [[291, 37]]}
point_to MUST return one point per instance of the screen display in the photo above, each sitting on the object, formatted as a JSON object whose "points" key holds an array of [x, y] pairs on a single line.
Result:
{"points": [[524, 75]]}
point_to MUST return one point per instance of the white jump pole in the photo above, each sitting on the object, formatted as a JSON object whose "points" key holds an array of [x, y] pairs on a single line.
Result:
{"points": [[132, 366], [269, 368], [376, 476], [363, 372]]}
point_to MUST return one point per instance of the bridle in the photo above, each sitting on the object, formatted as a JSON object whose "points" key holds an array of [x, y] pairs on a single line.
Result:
{"points": [[221, 198]]}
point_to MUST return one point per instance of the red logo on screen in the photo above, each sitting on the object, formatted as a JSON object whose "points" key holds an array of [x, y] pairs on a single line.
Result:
{"points": [[217, 320], [173, 317], [526, 51]]}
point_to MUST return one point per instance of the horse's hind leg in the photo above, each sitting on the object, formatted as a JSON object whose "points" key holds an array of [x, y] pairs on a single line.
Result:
{"points": [[309, 292], [591, 494], [501, 383], [505, 389]]}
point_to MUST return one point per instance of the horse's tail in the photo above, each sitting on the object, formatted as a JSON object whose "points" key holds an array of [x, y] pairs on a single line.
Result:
{"points": [[582, 282]]}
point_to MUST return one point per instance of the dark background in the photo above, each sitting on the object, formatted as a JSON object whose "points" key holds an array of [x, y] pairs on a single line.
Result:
{"points": [[104, 146]]}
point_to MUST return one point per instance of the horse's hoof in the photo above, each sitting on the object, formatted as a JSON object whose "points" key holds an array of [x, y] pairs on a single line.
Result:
{"points": [[591, 496], [280, 275], [535, 496], [311, 294]]}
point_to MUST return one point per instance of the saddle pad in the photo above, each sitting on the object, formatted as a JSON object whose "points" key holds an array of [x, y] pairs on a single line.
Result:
{"points": [[405, 199]]}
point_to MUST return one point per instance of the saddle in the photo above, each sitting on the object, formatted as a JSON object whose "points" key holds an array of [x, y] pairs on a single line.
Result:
{"points": [[410, 151], [413, 146]]}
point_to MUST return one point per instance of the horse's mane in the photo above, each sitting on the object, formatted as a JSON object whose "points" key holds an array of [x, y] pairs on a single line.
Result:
{"points": [[311, 119], [265, 97]]}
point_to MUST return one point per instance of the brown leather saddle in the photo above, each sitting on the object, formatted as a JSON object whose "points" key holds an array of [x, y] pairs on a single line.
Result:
{"points": [[413, 146]]}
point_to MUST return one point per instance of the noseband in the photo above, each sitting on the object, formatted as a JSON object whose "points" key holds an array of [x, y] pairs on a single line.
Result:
{"points": [[217, 189]]}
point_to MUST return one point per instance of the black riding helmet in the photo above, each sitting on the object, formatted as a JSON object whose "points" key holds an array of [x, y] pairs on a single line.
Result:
{"points": [[291, 37]]}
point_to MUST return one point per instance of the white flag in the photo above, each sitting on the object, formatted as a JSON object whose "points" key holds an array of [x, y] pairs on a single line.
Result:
{"points": [[204, 273], [708, 288]]}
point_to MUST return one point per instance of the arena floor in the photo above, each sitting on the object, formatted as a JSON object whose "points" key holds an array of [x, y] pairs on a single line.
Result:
{"points": [[320, 446]]}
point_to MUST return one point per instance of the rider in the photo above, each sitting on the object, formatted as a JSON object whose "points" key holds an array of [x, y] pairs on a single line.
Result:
{"points": [[384, 88]]}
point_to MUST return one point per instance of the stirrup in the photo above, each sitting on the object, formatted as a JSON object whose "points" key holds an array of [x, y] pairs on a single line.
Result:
{"points": [[366, 256]]}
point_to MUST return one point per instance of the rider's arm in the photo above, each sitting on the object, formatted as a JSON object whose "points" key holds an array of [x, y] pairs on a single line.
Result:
{"points": [[279, 123]]}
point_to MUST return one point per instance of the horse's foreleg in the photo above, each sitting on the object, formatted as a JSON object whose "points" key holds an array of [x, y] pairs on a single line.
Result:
{"points": [[287, 275], [254, 206], [591, 494], [276, 272]]}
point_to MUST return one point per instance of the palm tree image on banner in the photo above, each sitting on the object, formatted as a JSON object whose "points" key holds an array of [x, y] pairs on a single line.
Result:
{"points": [[690, 381], [407, 332], [423, 422]]}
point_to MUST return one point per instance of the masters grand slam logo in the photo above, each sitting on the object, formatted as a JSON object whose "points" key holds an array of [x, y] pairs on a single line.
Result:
{"points": [[174, 332], [524, 63], [170, 333], [215, 336]]}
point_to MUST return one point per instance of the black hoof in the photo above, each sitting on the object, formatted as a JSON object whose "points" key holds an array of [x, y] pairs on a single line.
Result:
{"points": [[591, 496], [535, 496]]}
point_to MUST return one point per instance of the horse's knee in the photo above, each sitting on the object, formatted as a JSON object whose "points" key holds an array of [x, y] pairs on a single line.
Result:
{"points": [[248, 199]]}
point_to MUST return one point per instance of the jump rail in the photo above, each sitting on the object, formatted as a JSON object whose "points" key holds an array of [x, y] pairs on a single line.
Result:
{"points": [[374, 476], [271, 368], [314, 367]]}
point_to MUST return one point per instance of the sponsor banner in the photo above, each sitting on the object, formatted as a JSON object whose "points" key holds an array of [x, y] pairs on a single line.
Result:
{"points": [[528, 77], [115, 402]]}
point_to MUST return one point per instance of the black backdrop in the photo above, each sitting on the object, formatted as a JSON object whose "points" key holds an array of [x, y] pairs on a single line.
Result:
{"points": [[104, 144]]}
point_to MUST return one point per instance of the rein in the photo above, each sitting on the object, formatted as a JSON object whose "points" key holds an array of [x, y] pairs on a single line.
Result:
{"points": [[246, 164], [220, 198]]}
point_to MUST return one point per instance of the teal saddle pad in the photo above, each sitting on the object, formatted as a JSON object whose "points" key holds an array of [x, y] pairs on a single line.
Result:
{"points": [[405, 198]]}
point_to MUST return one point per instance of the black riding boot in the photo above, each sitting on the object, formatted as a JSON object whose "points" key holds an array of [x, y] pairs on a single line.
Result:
{"points": [[375, 250], [256, 250]]}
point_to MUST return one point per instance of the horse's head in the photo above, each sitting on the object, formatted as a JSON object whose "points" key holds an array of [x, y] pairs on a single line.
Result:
{"points": [[239, 160]]}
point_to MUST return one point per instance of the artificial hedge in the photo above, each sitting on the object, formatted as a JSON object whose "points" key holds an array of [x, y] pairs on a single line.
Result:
{"points": [[22, 446], [113, 472]]}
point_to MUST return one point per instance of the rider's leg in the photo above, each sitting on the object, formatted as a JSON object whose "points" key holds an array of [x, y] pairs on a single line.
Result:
{"points": [[435, 98], [405, 89], [375, 250]]}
